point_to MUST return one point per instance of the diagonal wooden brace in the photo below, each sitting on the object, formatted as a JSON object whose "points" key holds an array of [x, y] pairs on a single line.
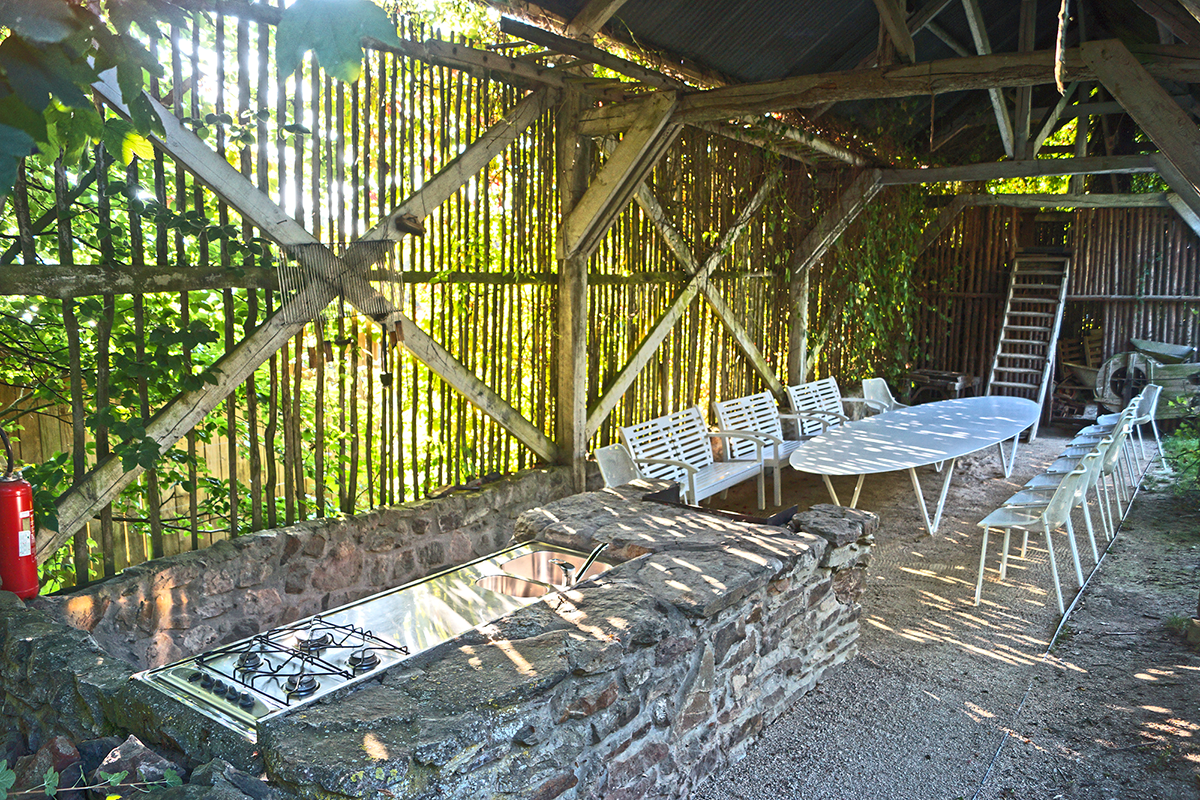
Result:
{"points": [[182, 413]]}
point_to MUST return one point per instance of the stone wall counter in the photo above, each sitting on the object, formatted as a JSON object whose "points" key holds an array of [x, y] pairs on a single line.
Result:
{"points": [[638, 683]]}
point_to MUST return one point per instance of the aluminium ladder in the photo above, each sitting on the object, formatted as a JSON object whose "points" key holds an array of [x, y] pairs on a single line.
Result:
{"points": [[1037, 291]]}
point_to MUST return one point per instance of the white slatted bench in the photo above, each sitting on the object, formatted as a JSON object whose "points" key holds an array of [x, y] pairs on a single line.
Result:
{"points": [[819, 404], [678, 447], [759, 414]]}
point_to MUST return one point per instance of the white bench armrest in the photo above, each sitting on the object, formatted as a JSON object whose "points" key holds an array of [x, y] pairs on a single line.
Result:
{"points": [[756, 438]]}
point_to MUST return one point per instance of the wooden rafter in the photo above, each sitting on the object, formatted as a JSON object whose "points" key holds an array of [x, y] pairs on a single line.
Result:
{"points": [[1024, 106], [649, 345], [1154, 111], [183, 412], [983, 47], [1051, 120], [1171, 15], [587, 53], [891, 17], [1147, 200], [1174, 62], [1038, 167], [592, 17]]}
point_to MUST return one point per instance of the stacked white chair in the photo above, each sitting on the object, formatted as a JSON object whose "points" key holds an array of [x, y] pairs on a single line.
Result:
{"points": [[878, 397], [1045, 519]]}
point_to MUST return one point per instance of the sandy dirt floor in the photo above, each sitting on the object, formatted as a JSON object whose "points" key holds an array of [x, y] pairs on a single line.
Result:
{"points": [[949, 700]]}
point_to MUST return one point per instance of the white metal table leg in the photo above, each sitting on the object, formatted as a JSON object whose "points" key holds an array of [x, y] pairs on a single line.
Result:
{"points": [[832, 493], [1011, 459], [912, 473], [857, 489]]}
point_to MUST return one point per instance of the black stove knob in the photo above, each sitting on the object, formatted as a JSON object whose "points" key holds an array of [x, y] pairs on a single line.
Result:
{"points": [[206, 681], [218, 688], [246, 700], [194, 676]]}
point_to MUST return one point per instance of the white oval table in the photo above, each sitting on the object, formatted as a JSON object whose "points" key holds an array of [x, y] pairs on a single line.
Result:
{"points": [[907, 438]]}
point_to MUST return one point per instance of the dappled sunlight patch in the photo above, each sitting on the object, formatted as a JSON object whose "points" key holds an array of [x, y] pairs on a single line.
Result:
{"points": [[514, 655], [978, 713], [375, 749], [875, 623]]}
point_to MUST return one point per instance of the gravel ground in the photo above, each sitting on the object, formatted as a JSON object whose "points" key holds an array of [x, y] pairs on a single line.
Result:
{"points": [[949, 700]]}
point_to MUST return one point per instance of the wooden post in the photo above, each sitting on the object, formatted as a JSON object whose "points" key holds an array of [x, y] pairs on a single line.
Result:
{"points": [[831, 226], [571, 356]]}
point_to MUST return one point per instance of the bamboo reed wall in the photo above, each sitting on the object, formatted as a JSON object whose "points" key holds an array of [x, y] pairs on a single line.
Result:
{"points": [[342, 418]]}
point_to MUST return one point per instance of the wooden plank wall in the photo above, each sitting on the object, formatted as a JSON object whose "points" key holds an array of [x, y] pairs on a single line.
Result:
{"points": [[1135, 274]]}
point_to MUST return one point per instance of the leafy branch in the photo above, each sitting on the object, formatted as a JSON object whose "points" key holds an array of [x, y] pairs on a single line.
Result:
{"points": [[51, 783]]}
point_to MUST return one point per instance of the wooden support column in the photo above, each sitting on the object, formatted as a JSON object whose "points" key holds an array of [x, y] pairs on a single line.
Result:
{"points": [[983, 47], [813, 248], [337, 276], [687, 260], [571, 355], [583, 225], [645, 351], [1152, 108]]}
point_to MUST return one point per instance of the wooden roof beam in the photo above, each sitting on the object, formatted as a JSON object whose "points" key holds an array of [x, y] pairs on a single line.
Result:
{"points": [[588, 53], [891, 17], [1156, 114], [983, 47], [1174, 62], [1169, 14], [592, 17], [1038, 167], [1146, 200]]}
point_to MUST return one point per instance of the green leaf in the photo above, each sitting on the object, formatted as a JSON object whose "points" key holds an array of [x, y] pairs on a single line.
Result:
{"points": [[37, 73], [334, 30], [14, 145], [51, 780], [124, 142], [7, 779], [38, 20], [172, 778]]}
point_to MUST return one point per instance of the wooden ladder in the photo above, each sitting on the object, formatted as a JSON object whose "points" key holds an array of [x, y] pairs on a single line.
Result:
{"points": [[1024, 359]]}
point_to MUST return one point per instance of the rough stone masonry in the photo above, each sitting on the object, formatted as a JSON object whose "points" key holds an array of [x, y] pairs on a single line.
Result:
{"points": [[637, 684]]}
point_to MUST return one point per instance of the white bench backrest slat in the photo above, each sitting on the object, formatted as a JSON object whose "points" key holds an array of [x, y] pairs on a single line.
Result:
{"points": [[756, 412], [649, 440], [815, 397], [691, 434]]}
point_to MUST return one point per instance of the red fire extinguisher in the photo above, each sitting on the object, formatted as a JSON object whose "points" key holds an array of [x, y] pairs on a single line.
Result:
{"points": [[18, 566]]}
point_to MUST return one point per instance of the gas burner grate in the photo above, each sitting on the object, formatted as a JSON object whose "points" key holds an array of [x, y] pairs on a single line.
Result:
{"points": [[291, 663]]}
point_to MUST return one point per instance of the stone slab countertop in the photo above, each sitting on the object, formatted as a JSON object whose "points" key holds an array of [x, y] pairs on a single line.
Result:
{"points": [[548, 677]]}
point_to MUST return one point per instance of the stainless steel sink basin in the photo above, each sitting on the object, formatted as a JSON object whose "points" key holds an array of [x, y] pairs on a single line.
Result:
{"points": [[512, 586], [539, 566]]}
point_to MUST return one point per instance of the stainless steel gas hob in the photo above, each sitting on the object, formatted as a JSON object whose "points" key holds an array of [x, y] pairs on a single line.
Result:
{"points": [[241, 684]]}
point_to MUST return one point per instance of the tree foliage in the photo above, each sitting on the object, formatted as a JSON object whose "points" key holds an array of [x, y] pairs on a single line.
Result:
{"points": [[52, 51]]}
